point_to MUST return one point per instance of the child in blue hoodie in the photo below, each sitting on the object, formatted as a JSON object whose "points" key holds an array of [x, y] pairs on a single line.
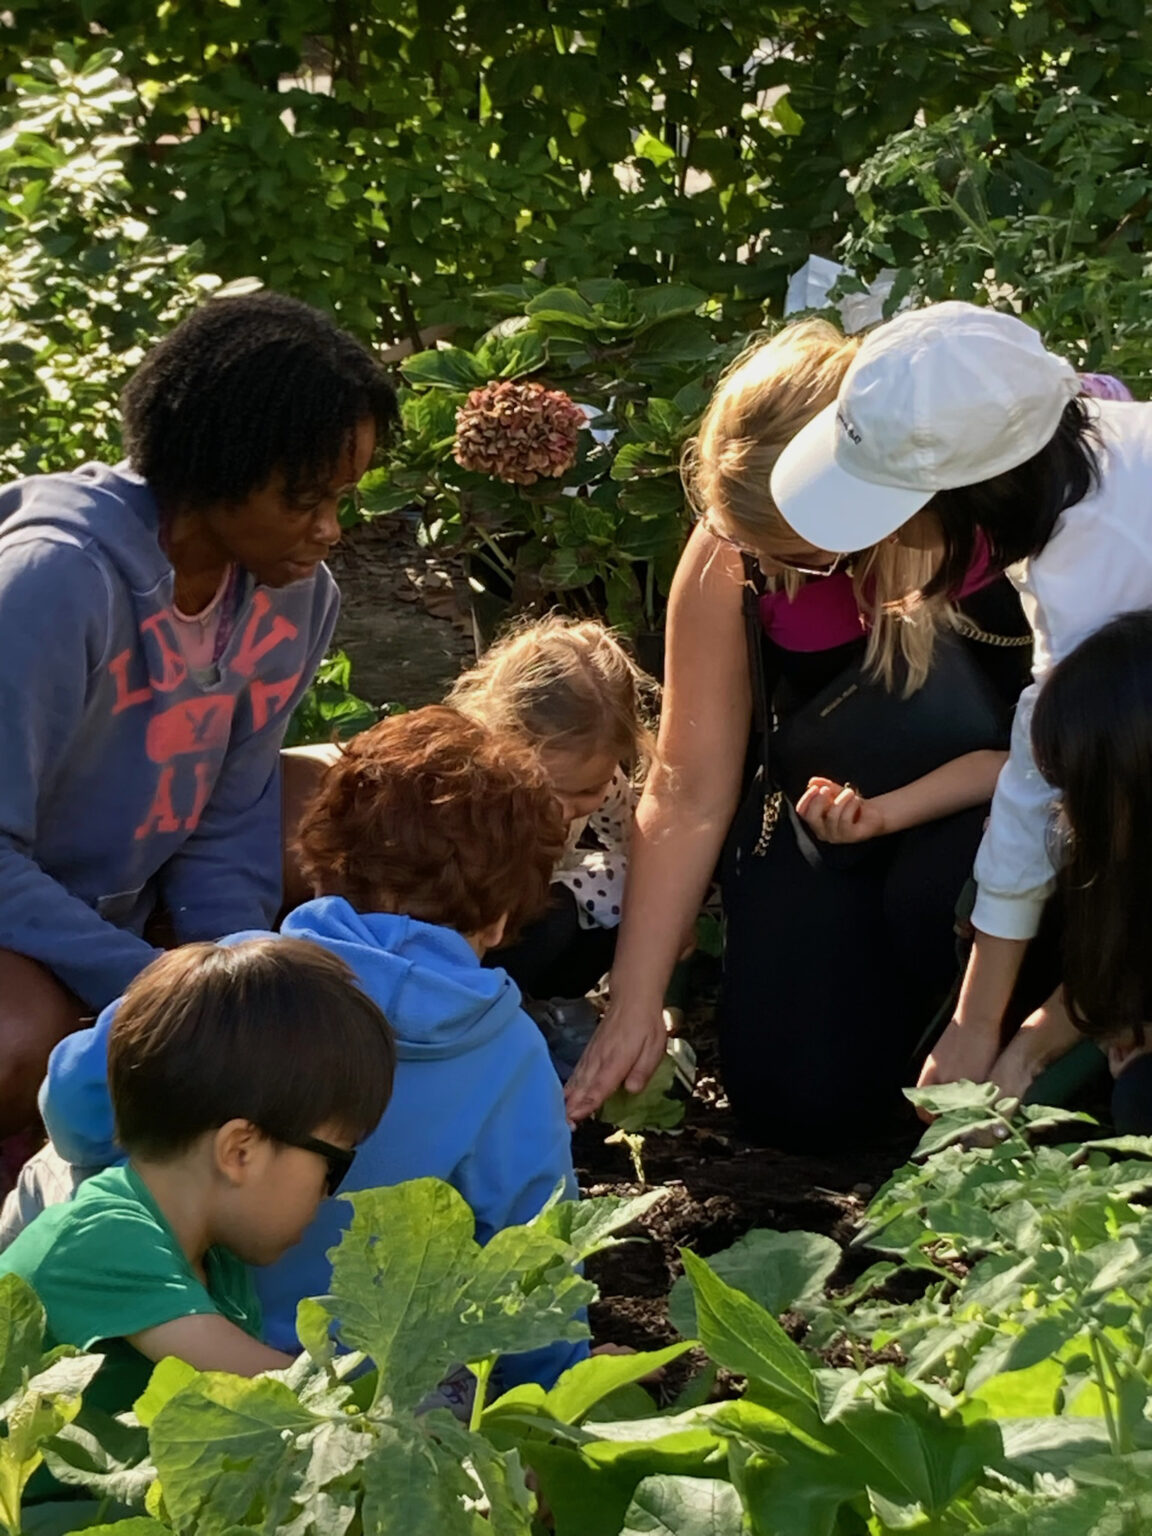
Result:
{"points": [[159, 622], [429, 841]]}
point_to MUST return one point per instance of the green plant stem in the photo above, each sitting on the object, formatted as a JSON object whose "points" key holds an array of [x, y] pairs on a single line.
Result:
{"points": [[1112, 1364], [483, 1374], [1105, 1390]]}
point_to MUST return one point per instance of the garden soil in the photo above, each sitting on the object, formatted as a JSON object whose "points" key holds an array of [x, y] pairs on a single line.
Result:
{"points": [[405, 625]]}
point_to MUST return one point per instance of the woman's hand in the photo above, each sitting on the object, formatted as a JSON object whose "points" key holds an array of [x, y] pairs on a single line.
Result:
{"points": [[626, 1048], [963, 1052], [838, 813]]}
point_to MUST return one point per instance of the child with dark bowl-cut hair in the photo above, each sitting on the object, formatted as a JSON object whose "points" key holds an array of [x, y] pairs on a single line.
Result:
{"points": [[431, 840], [231, 1148]]}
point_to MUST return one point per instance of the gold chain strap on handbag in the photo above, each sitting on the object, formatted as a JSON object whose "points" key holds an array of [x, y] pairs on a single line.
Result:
{"points": [[963, 625], [773, 805]]}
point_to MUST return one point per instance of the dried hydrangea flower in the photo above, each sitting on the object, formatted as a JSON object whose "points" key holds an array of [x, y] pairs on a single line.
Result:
{"points": [[518, 433]]}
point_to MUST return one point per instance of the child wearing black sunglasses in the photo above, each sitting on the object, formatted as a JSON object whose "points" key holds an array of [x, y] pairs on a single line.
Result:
{"points": [[231, 1148]]}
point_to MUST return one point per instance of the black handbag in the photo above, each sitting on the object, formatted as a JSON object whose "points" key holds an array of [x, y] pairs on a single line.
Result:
{"points": [[857, 730]]}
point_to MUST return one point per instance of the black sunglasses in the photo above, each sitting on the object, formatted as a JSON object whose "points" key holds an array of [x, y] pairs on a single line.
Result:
{"points": [[339, 1159]]}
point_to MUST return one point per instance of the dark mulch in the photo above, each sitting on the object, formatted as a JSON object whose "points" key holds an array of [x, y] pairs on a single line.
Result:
{"points": [[717, 1186]]}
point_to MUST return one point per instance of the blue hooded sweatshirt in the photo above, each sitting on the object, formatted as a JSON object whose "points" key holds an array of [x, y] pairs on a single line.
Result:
{"points": [[476, 1101], [127, 780]]}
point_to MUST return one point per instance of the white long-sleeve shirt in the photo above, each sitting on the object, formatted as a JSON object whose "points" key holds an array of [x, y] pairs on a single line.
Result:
{"points": [[1097, 564]]}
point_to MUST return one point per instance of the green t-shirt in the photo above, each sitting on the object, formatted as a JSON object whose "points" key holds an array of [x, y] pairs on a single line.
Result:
{"points": [[106, 1264]]}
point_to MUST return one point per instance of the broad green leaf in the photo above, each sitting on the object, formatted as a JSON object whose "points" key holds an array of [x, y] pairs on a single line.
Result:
{"points": [[444, 368], [584, 1384], [104, 1455], [1051, 1444], [684, 1506], [1022, 1394], [512, 356], [562, 305], [654, 1108], [648, 147], [776, 1269], [588, 1226], [410, 1486], [740, 1335], [21, 1334], [945, 1098], [32, 1417], [1019, 1350], [413, 1289], [668, 301], [169, 1377], [236, 1451]]}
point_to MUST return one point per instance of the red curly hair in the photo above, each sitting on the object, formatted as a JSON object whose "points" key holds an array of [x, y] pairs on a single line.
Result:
{"points": [[437, 817]]}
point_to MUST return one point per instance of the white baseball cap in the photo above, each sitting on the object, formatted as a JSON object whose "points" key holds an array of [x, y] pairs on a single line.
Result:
{"points": [[936, 398]]}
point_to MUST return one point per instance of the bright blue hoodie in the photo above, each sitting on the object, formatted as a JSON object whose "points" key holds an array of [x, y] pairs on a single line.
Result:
{"points": [[126, 779], [476, 1102]]}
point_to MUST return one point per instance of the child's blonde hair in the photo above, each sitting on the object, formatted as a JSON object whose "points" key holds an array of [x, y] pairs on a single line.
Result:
{"points": [[565, 683], [767, 395]]}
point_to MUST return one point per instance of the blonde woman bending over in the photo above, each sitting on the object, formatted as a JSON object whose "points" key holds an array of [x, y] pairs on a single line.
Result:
{"points": [[835, 959]]}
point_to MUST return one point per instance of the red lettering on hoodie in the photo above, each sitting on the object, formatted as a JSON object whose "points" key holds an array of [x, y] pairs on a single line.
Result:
{"points": [[268, 699], [126, 698], [204, 786], [173, 667], [192, 726], [161, 815], [251, 650]]}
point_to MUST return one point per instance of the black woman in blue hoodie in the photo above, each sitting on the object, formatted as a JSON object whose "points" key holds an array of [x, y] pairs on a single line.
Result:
{"points": [[158, 623]]}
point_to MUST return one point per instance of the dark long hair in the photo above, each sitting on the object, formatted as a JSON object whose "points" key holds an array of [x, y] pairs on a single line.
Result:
{"points": [[1092, 737], [1016, 511]]}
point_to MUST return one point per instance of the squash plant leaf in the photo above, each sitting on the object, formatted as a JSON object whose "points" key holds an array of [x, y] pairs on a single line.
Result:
{"points": [[231, 1451], [414, 1290], [777, 1269], [683, 1506]]}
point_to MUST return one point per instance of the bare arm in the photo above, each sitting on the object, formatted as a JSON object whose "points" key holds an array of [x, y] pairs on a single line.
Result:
{"points": [[971, 1043], [681, 821], [837, 813], [1043, 1038], [210, 1343]]}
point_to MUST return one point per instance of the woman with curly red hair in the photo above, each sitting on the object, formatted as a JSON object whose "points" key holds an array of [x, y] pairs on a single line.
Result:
{"points": [[430, 840]]}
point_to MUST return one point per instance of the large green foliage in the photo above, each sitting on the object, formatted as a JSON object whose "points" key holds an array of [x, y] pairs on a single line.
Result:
{"points": [[85, 283], [1012, 1395], [386, 160]]}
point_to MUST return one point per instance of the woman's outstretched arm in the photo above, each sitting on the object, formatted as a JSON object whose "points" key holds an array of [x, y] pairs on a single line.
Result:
{"points": [[681, 821]]}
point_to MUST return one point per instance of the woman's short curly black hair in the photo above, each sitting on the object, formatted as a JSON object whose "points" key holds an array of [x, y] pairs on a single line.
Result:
{"points": [[246, 388]]}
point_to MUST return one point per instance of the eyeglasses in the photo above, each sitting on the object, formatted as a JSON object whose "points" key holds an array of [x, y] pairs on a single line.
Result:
{"points": [[339, 1159], [812, 570], [759, 555]]}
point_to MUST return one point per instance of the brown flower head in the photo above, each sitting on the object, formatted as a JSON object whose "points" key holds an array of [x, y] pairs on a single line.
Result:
{"points": [[517, 432]]}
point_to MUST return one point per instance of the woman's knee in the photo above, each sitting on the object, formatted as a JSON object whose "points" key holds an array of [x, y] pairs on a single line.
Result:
{"points": [[36, 1013]]}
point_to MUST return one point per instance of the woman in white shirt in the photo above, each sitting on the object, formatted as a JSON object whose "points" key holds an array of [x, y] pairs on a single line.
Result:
{"points": [[955, 422]]}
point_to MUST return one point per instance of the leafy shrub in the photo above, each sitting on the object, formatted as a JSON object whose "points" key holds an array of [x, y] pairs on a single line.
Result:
{"points": [[85, 283], [607, 533], [1035, 197], [1010, 1397]]}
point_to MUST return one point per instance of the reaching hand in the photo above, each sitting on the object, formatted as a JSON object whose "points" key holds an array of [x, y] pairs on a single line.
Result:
{"points": [[838, 813], [962, 1052], [626, 1048]]}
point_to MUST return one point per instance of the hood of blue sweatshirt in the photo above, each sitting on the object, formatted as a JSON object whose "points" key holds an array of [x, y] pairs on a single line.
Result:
{"points": [[115, 742], [100, 507], [476, 1101], [439, 999]]}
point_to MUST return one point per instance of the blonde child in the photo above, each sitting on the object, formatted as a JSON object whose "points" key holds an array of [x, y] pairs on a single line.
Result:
{"points": [[568, 688]]}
